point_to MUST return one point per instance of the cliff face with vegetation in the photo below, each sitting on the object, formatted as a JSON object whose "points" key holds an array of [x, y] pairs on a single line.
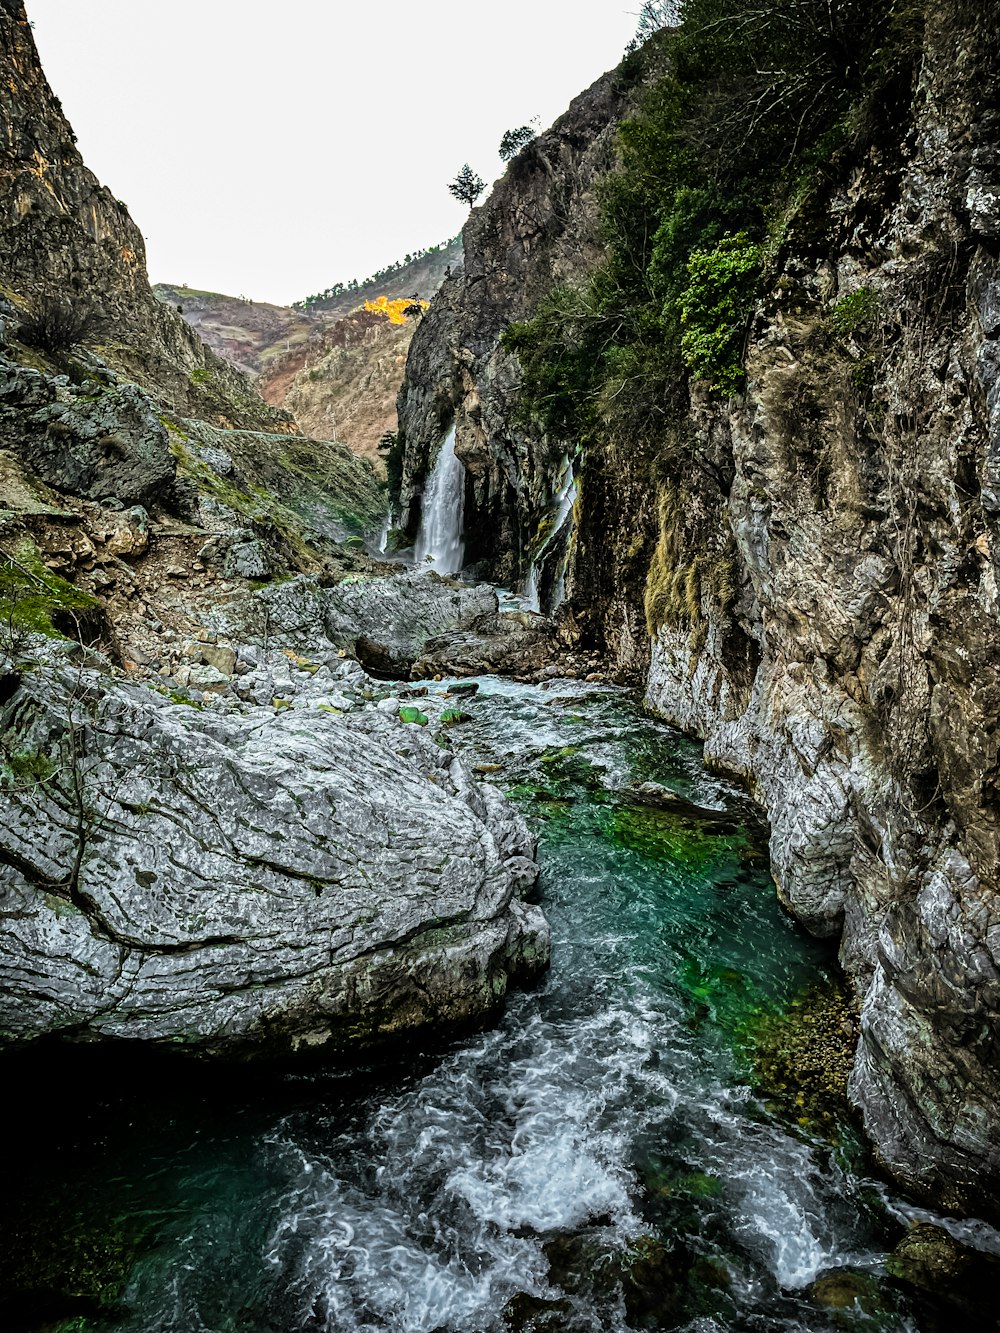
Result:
{"points": [[783, 373], [539, 230], [64, 238]]}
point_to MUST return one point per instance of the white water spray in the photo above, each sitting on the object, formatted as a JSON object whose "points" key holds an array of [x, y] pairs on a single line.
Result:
{"points": [[383, 535], [439, 541]]}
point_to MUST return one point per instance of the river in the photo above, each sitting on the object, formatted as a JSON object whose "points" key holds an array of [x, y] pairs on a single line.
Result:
{"points": [[598, 1161]]}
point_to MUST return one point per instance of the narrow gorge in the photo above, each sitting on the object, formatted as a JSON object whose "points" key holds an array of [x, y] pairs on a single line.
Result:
{"points": [[535, 868]]}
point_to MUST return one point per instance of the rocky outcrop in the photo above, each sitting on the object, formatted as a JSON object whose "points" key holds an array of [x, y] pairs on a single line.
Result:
{"points": [[426, 625], [538, 230], [816, 563], [853, 679], [251, 884], [105, 440], [64, 238]]}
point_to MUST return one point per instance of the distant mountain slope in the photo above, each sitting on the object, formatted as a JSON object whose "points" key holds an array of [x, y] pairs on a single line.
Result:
{"points": [[343, 384], [337, 366], [247, 333], [421, 277]]}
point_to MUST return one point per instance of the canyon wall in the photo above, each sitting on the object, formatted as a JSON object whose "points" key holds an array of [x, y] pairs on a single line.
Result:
{"points": [[64, 238], [539, 230], [805, 573]]}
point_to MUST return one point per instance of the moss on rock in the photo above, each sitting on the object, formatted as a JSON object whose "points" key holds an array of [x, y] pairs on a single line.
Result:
{"points": [[801, 1056]]}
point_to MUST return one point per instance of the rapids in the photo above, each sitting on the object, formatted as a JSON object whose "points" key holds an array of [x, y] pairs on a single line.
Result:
{"points": [[597, 1161]]}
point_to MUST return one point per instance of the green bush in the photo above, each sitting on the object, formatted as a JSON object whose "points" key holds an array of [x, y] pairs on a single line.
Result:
{"points": [[856, 313], [744, 110], [715, 307]]}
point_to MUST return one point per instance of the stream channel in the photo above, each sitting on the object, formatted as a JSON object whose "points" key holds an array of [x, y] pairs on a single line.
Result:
{"points": [[597, 1161]]}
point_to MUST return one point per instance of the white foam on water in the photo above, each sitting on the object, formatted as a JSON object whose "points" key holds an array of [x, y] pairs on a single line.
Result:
{"points": [[782, 1191], [429, 1209], [439, 543], [525, 1134]]}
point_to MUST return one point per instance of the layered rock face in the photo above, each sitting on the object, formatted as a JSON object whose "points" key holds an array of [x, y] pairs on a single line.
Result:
{"points": [[855, 678], [248, 884], [345, 385], [65, 238], [825, 548], [538, 230]]}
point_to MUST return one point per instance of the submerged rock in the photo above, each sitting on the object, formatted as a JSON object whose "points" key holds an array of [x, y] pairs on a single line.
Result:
{"points": [[254, 884]]}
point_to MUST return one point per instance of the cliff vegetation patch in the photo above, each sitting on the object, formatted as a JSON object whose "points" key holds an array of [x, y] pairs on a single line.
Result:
{"points": [[746, 115]]}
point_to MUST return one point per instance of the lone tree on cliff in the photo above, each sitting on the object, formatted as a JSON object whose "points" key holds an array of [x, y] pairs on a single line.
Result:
{"points": [[467, 186], [514, 140]]}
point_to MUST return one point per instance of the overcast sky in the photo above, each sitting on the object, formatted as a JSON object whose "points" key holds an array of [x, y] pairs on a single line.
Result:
{"points": [[272, 149]]}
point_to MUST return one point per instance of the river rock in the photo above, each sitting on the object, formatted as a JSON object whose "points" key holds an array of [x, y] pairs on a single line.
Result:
{"points": [[418, 624], [249, 885], [388, 622]]}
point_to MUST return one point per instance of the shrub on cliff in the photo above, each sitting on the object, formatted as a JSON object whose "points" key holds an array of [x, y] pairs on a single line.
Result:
{"points": [[715, 308], [467, 186], [57, 323], [514, 140]]}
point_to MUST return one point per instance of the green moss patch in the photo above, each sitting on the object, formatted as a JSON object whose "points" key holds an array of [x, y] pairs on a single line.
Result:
{"points": [[663, 835], [34, 600], [801, 1055]]}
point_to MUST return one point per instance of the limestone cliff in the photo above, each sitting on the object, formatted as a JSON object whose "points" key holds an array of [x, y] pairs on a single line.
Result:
{"points": [[807, 571], [147, 494]]}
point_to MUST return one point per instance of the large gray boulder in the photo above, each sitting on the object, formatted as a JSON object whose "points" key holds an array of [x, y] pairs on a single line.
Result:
{"points": [[418, 623], [256, 883], [100, 441]]}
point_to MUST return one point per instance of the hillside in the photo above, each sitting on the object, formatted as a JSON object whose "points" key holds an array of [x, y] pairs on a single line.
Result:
{"points": [[250, 334], [420, 277], [335, 365]]}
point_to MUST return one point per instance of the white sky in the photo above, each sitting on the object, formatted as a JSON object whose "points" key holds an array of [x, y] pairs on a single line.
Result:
{"points": [[273, 148]]}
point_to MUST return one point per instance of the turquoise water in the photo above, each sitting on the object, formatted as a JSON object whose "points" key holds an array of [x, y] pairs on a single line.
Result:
{"points": [[597, 1161]]}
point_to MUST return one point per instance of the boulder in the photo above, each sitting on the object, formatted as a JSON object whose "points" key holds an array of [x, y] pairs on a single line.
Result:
{"points": [[421, 624], [252, 884], [108, 444]]}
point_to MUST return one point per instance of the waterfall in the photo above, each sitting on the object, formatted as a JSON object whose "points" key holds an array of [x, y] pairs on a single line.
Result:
{"points": [[530, 599], [439, 540], [383, 535], [565, 499]]}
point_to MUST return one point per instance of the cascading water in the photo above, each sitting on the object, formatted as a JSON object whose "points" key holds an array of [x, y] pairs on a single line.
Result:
{"points": [[559, 532], [439, 543], [595, 1163], [383, 536]]}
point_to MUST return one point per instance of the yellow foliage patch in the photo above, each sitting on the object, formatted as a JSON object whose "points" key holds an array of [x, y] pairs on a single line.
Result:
{"points": [[393, 310]]}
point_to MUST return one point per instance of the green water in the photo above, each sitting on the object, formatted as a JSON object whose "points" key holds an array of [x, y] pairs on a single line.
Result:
{"points": [[599, 1160]]}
